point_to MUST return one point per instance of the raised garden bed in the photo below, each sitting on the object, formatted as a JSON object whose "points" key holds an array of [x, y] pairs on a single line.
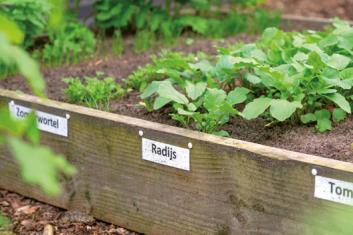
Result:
{"points": [[226, 186], [232, 186]]}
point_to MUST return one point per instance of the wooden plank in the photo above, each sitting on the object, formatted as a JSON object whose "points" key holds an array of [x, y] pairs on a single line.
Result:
{"points": [[296, 22], [233, 187]]}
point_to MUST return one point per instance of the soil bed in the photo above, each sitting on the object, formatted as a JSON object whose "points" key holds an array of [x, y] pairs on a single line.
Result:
{"points": [[29, 216], [333, 144]]}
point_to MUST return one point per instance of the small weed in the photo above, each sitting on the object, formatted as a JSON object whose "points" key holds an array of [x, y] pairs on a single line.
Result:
{"points": [[118, 43]]}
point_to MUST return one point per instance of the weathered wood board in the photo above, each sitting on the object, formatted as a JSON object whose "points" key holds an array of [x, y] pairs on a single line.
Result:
{"points": [[295, 22], [233, 187]]}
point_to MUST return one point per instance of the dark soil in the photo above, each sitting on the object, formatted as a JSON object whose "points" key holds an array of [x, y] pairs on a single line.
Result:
{"points": [[30, 217], [314, 8], [333, 144]]}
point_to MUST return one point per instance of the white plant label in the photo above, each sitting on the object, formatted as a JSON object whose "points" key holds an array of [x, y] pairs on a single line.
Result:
{"points": [[334, 190], [166, 154], [45, 121]]}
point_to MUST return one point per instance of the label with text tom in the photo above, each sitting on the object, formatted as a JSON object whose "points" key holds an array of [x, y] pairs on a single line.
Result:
{"points": [[334, 190], [166, 154], [45, 121]]}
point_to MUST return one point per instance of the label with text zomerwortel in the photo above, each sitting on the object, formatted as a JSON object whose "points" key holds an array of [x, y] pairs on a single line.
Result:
{"points": [[45, 121], [334, 190], [166, 154]]}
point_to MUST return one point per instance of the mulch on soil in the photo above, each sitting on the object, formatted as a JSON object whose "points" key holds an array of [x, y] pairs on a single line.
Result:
{"points": [[30, 217]]}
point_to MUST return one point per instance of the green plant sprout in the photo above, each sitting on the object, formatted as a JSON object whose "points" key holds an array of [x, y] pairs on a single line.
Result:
{"points": [[118, 43], [93, 92], [70, 43]]}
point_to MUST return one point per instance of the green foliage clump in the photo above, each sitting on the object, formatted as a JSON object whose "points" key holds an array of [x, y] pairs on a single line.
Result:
{"points": [[301, 77], [93, 92], [14, 57], [70, 43], [31, 16], [166, 23]]}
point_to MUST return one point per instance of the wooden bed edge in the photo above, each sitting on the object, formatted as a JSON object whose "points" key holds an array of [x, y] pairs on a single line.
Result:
{"points": [[262, 150]]}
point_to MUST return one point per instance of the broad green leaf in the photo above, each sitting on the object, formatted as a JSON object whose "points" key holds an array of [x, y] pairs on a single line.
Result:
{"points": [[150, 89], [322, 114], [167, 91], [323, 120], [24, 63], [225, 62], [10, 30], [283, 109], [323, 125], [269, 34], [306, 118], [197, 24], [328, 41], [300, 56], [40, 166], [346, 73], [315, 61], [228, 61], [226, 108], [214, 98], [340, 101], [338, 115], [192, 107], [238, 95], [194, 91], [184, 112], [253, 79], [242, 61], [338, 61], [259, 55], [204, 66], [255, 108], [221, 133], [32, 132], [160, 102]]}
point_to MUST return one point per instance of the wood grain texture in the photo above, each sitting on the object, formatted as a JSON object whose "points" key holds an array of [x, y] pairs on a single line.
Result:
{"points": [[233, 187]]}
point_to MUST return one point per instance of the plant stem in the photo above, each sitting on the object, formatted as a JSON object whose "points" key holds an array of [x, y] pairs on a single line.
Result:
{"points": [[167, 7]]}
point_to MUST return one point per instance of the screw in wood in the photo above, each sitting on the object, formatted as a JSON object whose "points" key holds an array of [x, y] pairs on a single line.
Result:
{"points": [[314, 171], [12, 103], [140, 133], [190, 145], [68, 116]]}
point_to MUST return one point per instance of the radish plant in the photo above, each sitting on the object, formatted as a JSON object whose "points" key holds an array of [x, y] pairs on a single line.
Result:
{"points": [[283, 76]]}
